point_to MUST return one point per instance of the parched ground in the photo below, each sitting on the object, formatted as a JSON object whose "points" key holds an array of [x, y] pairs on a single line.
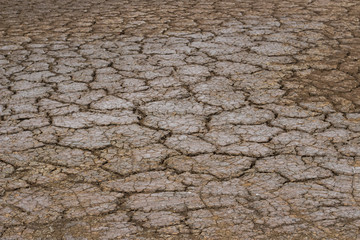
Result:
{"points": [[179, 119]]}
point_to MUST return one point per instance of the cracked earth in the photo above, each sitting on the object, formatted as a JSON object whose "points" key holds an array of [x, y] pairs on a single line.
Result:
{"points": [[235, 119]]}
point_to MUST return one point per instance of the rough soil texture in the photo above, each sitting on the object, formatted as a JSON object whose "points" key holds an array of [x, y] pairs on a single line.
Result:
{"points": [[231, 119]]}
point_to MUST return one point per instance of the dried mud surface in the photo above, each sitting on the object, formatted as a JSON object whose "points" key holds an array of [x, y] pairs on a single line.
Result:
{"points": [[179, 119]]}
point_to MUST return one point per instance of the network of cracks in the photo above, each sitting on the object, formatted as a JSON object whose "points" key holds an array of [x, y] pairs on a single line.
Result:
{"points": [[235, 119]]}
